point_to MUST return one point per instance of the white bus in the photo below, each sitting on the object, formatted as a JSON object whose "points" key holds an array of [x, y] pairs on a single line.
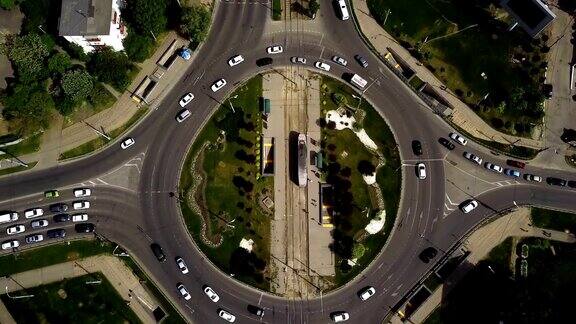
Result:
{"points": [[343, 10], [358, 81]]}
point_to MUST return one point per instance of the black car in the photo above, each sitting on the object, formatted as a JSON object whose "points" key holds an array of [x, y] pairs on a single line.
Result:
{"points": [[58, 208], [361, 60], [417, 147], [264, 61], [556, 181], [256, 310], [572, 184], [547, 89], [428, 254], [56, 233], [60, 218], [158, 252], [84, 228], [446, 143]]}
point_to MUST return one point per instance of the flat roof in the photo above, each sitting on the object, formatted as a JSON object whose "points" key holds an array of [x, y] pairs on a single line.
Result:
{"points": [[85, 17], [532, 15]]}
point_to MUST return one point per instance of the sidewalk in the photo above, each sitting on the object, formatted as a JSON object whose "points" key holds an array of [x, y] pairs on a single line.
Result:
{"points": [[120, 276], [462, 115], [57, 140], [479, 244]]}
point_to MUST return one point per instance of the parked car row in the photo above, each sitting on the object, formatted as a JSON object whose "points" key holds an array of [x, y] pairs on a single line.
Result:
{"points": [[50, 234]]}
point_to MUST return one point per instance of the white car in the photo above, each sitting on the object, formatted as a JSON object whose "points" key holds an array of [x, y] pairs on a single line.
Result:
{"points": [[10, 244], [493, 167], [34, 238], [421, 171], [296, 59], [339, 60], [534, 178], [181, 265], [182, 115], [366, 293], [340, 317], [186, 99], [458, 138], [235, 60], [81, 205], [226, 316], [34, 212], [82, 192], [17, 229], [322, 66], [127, 142], [79, 217], [211, 294], [276, 49], [39, 223], [473, 158], [469, 206], [183, 291], [219, 84]]}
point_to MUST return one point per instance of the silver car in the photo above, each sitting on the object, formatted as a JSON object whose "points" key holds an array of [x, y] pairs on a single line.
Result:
{"points": [[339, 60]]}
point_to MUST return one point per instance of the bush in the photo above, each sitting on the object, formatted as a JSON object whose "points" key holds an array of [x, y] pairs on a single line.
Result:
{"points": [[358, 251], [276, 10], [58, 63], [110, 67], [77, 85], [75, 51], [138, 47], [339, 99]]}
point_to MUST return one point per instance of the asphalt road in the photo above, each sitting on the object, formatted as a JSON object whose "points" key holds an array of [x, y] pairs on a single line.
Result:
{"points": [[134, 219]]}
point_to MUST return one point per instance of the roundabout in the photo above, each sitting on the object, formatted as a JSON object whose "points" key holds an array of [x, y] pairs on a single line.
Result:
{"points": [[148, 209]]}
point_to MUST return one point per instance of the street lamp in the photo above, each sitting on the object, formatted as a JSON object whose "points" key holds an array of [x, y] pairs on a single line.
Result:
{"points": [[230, 102]]}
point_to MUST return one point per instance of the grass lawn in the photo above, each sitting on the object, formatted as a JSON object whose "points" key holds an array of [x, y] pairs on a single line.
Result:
{"points": [[552, 219], [102, 99], [99, 142], [71, 301], [388, 178], [544, 296], [29, 145], [460, 59], [277, 9], [232, 188]]}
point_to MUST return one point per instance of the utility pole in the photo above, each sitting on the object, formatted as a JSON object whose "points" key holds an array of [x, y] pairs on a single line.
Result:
{"points": [[386, 18], [98, 131], [230, 102]]}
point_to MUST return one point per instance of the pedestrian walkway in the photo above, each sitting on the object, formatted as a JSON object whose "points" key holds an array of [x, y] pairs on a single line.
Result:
{"points": [[479, 244], [118, 274], [462, 115], [57, 140]]}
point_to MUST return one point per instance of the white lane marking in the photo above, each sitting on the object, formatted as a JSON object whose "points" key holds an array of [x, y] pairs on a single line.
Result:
{"points": [[104, 182], [450, 201], [260, 299]]}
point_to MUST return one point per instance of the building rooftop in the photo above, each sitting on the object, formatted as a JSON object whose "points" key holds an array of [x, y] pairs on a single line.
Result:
{"points": [[85, 17], [532, 15]]}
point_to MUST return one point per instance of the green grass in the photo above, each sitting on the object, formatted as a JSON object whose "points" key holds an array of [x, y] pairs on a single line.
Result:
{"points": [[53, 254], [554, 220], [17, 168], [223, 197], [99, 142], [276, 10], [27, 146], [100, 99], [72, 301], [459, 60], [388, 177]]}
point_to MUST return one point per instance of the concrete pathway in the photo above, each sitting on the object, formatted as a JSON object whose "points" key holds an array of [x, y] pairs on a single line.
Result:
{"points": [[51, 141], [120, 276], [462, 115], [479, 244]]}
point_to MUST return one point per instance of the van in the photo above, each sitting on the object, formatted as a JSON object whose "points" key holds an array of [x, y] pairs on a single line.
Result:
{"points": [[8, 217], [343, 10]]}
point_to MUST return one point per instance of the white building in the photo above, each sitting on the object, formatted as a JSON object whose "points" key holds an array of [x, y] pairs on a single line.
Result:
{"points": [[92, 23]]}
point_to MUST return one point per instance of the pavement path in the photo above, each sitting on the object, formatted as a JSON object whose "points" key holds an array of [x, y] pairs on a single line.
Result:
{"points": [[479, 244], [462, 115], [119, 275]]}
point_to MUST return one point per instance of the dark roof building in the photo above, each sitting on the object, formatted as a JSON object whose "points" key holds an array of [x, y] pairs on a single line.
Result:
{"points": [[532, 15], [85, 17]]}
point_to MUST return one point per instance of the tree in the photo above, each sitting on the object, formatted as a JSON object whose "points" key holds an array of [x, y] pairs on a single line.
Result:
{"points": [[58, 63], [28, 107], [27, 53], [195, 22], [7, 4], [313, 7], [366, 167], [77, 85], [148, 16], [358, 250], [138, 47], [110, 67]]}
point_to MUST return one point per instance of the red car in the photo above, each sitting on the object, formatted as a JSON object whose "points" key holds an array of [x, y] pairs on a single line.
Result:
{"points": [[517, 164]]}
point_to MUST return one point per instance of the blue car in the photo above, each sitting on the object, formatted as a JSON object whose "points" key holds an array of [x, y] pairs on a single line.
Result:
{"points": [[512, 173]]}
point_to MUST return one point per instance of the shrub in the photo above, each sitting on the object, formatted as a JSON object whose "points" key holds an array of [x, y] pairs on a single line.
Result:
{"points": [[138, 47]]}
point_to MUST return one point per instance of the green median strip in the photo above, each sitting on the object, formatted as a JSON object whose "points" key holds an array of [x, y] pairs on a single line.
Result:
{"points": [[99, 142]]}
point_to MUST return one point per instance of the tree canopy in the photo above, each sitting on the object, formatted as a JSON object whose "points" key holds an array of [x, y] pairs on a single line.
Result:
{"points": [[147, 16], [27, 53], [138, 47], [58, 63], [29, 108], [110, 67], [195, 21], [77, 85]]}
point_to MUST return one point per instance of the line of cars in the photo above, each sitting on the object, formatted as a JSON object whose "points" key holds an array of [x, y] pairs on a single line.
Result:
{"points": [[59, 209], [325, 66]]}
